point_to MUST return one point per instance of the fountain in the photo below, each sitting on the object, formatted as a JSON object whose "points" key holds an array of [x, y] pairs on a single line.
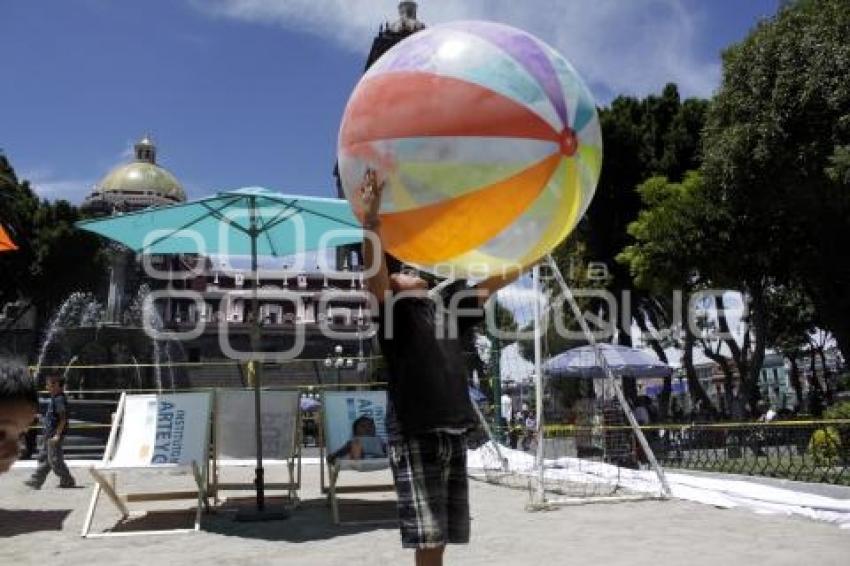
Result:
{"points": [[78, 310], [68, 369], [148, 317], [138, 374]]}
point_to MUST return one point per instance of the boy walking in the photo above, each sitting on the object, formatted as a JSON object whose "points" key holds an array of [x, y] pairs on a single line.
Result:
{"points": [[51, 456]]}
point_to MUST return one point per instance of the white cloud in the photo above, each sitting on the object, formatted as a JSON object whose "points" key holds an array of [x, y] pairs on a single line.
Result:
{"points": [[48, 185], [519, 299], [512, 366], [618, 46], [129, 151]]}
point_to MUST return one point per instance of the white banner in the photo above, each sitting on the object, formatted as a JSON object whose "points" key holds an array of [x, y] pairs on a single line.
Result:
{"points": [[235, 426], [342, 408], [163, 429]]}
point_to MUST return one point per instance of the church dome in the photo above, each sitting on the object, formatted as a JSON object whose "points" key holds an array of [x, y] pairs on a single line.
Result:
{"points": [[135, 185], [142, 178]]}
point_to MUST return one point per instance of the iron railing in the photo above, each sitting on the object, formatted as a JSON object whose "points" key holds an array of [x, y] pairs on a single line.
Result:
{"points": [[812, 451]]}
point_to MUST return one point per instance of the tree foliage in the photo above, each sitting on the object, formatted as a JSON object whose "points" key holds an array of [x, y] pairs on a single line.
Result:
{"points": [[54, 259], [777, 158], [659, 135]]}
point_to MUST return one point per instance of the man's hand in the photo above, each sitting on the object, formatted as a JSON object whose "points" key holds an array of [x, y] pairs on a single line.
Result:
{"points": [[54, 440], [370, 193]]}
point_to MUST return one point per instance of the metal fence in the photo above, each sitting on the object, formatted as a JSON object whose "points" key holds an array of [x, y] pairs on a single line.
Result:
{"points": [[812, 451]]}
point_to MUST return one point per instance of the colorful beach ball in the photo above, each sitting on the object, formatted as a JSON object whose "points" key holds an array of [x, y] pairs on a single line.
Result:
{"points": [[488, 142]]}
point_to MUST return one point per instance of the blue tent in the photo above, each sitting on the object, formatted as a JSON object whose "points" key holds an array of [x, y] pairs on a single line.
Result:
{"points": [[622, 360]]}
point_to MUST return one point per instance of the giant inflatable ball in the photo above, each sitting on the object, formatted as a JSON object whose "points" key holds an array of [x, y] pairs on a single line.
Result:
{"points": [[486, 140]]}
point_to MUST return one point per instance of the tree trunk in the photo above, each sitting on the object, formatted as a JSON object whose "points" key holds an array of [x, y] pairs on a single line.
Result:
{"points": [[739, 355], [814, 382], [667, 388], [728, 375], [728, 384], [698, 394], [795, 380], [761, 331]]}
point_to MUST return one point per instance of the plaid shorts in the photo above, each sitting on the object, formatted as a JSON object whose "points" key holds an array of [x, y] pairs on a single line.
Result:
{"points": [[433, 494]]}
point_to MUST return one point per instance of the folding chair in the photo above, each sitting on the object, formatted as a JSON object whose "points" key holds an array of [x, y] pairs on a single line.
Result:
{"points": [[154, 432], [235, 444], [340, 411]]}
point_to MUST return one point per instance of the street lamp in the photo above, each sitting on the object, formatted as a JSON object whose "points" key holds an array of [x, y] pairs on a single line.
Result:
{"points": [[338, 361]]}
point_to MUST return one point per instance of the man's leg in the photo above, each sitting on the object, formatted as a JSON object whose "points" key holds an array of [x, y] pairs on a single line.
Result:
{"points": [[56, 457], [418, 473], [42, 468], [430, 556], [457, 492]]}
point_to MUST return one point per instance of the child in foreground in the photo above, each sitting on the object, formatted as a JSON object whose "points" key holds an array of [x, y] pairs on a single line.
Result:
{"points": [[18, 407]]}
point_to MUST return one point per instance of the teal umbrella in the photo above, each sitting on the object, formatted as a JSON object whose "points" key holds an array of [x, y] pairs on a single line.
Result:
{"points": [[222, 224], [250, 222]]}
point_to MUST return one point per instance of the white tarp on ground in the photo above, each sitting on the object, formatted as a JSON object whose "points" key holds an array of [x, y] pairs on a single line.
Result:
{"points": [[720, 492]]}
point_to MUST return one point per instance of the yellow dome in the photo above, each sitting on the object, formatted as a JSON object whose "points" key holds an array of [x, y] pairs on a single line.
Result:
{"points": [[142, 178]]}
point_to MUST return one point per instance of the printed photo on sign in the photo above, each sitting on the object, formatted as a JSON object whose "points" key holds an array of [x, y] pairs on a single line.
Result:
{"points": [[355, 423]]}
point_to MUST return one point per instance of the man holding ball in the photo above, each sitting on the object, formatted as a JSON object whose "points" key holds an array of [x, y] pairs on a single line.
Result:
{"points": [[429, 410]]}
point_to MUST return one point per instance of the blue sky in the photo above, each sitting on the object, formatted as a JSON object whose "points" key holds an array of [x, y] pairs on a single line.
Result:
{"points": [[250, 92]]}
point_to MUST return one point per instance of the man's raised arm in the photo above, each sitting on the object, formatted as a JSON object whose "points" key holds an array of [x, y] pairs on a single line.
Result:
{"points": [[374, 261]]}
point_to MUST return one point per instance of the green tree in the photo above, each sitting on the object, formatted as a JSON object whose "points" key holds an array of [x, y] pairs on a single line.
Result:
{"points": [[776, 157], [791, 322], [54, 259], [670, 244], [18, 205], [658, 135]]}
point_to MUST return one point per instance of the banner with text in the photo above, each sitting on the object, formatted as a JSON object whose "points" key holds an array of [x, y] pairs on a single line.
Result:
{"points": [[163, 429]]}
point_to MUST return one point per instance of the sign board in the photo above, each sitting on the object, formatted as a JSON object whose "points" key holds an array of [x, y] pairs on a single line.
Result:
{"points": [[236, 426], [163, 429]]}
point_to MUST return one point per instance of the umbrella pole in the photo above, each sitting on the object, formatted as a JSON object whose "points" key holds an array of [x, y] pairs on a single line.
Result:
{"points": [[259, 473], [259, 480]]}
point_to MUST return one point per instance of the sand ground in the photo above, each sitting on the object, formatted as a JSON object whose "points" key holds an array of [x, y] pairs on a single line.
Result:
{"points": [[41, 527]]}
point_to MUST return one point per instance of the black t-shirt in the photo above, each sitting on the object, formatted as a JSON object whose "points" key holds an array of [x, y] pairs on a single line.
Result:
{"points": [[427, 378]]}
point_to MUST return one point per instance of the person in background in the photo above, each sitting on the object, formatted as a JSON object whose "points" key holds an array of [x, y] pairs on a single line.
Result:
{"points": [[51, 456], [530, 432], [18, 408]]}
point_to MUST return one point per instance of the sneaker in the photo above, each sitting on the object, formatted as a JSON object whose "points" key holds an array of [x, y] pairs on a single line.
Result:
{"points": [[68, 485], [33, 484]]}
